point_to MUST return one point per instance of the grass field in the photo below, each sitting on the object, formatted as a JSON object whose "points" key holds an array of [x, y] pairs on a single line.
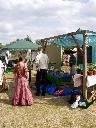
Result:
{"points": [[46, 112]]}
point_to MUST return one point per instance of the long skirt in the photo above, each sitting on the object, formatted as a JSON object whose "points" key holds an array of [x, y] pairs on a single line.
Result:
{"points": [[22, 94]]}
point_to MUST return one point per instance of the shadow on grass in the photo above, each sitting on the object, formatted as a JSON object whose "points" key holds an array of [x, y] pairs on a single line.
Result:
{"points": [[5, 101], [52, 101], [48, 99], [8, 93]]}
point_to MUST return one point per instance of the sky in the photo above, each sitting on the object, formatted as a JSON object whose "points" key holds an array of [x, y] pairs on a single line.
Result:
{"points": [[44, 18]]}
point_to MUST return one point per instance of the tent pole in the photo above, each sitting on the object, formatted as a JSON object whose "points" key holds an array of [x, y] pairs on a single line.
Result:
{"points": [[61, 52], [45, 44], [85, 42]]}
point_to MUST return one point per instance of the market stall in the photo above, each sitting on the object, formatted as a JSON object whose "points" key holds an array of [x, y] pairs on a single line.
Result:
{"points": [[80, 39]]}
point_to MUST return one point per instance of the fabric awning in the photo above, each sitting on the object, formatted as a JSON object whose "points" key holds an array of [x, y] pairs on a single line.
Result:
{"points": [[22, 44]]}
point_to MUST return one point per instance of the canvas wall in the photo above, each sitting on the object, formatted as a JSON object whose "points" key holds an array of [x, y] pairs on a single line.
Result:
{"points": [[54, 54]]}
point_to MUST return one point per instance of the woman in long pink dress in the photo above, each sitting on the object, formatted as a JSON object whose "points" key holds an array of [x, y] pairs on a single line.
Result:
{"points": [[22, 94]]}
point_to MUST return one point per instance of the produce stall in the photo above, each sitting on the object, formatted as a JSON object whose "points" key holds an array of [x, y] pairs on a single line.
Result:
{"points": [[59, 77], [81, 39]]}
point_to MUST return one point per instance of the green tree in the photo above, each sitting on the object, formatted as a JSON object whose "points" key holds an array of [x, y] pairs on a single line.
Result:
{"points": [[28, 38]]}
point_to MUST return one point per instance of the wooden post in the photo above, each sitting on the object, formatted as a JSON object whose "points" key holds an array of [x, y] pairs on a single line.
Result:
{"points": [[61, 52], [45, 44], [85, 43]]}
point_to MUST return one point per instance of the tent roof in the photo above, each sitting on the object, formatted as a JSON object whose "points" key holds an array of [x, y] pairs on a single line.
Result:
{"points": [[22, 44], [68, 39]]}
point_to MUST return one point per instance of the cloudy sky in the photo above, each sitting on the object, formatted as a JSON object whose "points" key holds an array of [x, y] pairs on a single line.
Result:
{"points": [[44, 18]]}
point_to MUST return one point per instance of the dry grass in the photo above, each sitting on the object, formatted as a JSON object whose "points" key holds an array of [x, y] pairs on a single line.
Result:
{"points": [[46, 112]]}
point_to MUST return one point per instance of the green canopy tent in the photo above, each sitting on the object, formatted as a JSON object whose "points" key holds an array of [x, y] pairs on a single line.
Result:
{"points": [[22, 44]]}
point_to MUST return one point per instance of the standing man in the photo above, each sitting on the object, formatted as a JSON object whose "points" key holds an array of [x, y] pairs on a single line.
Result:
{"points": [[72, 63], [42, 61]]}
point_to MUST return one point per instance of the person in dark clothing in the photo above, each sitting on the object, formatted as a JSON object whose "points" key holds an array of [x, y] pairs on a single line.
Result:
{"points": [[72, 63], [42, 66]]}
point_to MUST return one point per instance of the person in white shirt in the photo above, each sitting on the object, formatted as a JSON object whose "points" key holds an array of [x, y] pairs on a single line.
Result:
{"points": [[42, 61], [1, 73]]}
